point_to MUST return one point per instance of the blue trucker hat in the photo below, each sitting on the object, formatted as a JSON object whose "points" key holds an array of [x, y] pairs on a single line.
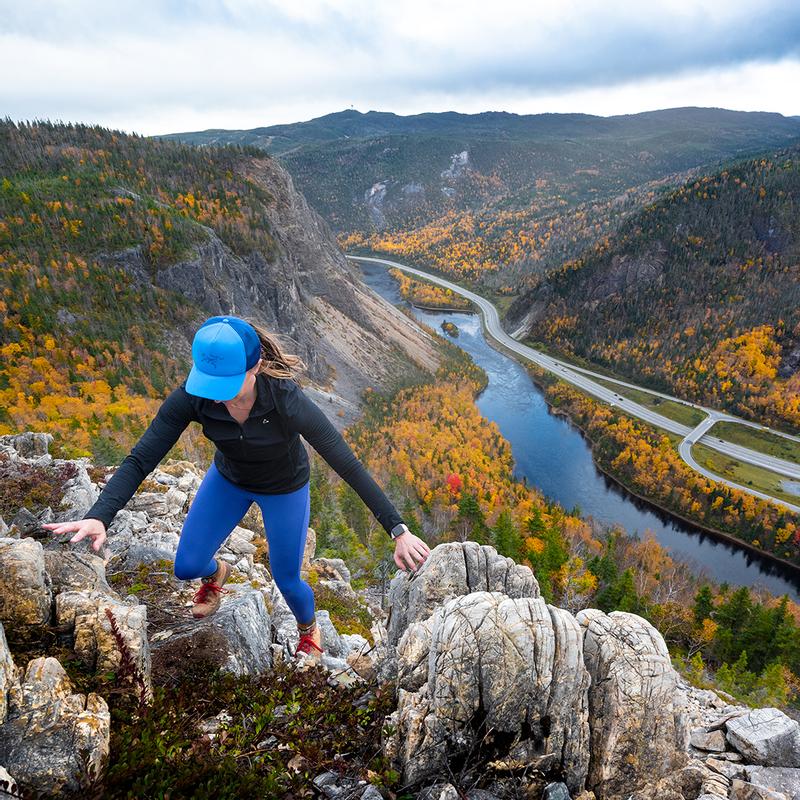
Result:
{"points": [[224, 348]]}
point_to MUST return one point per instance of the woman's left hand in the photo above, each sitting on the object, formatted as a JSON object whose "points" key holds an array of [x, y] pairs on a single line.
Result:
{"points": [[408, 550]]}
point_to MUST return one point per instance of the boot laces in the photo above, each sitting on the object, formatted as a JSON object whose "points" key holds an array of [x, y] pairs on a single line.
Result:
{"points": [[206, 589], [306, 643]]}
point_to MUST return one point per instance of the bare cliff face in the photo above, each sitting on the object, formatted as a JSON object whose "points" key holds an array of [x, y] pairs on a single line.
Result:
{"points": [[309, 294]]}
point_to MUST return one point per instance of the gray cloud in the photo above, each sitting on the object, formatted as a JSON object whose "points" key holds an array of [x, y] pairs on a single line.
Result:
{"points": [[157, 60]]}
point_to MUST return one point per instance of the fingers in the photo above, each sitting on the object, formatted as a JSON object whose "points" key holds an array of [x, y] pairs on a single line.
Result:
{"points": [[63, 527], [409, 556], [98, 542], [80, 535]]}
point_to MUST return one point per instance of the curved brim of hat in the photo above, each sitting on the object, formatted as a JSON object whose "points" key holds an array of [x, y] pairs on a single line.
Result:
{"points": [[213, 387]]}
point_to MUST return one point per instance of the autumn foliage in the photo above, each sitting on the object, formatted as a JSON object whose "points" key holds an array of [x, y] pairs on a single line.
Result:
{"points": [[84, 341]]}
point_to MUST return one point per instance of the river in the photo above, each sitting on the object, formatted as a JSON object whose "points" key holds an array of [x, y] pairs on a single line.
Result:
{"points": [[552, 455]]}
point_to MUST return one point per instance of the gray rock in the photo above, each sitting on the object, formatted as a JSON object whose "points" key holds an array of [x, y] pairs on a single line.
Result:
{"points": [[9, 678], [284, 624], [371, 793], [236, 639], [154, 504], [354, 643], [28, 444], [778, 779], [25, 591], [86, 614], [712, 741], [239, 542], [498, 663], [50, 729], [741, 790], [439, 791], [134, 539], [79, 495], [327, 778], [70, 570], [451, 570], [555, 791], [333, 643], [638, 730], [727, 768], [341, 589], [25, 523], [766, 736], [331, 569]]}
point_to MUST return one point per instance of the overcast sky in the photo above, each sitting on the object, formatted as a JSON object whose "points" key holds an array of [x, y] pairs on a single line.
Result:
{"points": [[157, 66]]}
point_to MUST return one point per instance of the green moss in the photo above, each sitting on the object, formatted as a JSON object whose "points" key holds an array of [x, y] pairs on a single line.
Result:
{"points": [[348, 616]]}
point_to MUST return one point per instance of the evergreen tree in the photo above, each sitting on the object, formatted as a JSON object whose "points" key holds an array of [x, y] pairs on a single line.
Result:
{"points": [[507, 538], [355, 511], [471, 517], [703, 604], [732, 618]]}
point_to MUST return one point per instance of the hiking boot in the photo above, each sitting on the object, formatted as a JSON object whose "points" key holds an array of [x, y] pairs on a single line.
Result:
{"points": [[207, 600], [310, 645]]}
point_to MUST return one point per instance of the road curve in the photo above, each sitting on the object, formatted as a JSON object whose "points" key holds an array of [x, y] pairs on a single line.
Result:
{"points": [[582, 379]]}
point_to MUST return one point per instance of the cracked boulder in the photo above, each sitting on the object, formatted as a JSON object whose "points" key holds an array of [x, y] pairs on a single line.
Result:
{"points": [[71, 570], [500, 673], [766, 736], [53, 740], [86, 614], [25, 588], [236, 639], [636, 707], [453, 569]]}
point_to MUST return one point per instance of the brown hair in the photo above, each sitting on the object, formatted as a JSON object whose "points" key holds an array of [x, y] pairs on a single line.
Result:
{"points": [[276, 362]]}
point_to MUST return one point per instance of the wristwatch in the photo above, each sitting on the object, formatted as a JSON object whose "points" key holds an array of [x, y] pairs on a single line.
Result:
{"points": [[399, 530]]}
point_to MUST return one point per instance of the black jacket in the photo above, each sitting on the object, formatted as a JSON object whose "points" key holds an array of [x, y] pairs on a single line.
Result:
{"points": [[264, 455]]}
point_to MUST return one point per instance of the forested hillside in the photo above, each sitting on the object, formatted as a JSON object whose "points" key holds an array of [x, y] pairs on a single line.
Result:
{"points": [[113, 248], [698, 294]]}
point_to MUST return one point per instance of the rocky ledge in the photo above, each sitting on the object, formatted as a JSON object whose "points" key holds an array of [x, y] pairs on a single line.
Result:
{"points": [[494, 686]]}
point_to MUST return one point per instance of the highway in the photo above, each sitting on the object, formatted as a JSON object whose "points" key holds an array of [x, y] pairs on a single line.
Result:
{"points": [[586, 380]]}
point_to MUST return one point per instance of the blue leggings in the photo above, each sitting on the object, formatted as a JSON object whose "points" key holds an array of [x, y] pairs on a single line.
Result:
{"points": [[219, 506]]}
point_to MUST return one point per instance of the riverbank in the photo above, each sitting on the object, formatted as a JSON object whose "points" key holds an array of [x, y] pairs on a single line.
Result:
{"points": [[713, 532], [700, 525], [554, 456]]}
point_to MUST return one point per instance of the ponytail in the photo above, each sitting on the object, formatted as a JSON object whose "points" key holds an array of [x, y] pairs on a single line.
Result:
{"points": [[275, 362]]}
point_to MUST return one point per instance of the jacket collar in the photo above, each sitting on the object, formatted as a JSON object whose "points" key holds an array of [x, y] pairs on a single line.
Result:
{"points": [[261, 406]]}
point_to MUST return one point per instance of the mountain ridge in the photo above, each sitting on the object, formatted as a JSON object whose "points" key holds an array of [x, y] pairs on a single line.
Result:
{"points": [[380, 171]]}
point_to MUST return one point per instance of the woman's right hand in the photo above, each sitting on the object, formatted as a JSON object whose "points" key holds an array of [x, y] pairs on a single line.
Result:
{"points": [[82, 528]]}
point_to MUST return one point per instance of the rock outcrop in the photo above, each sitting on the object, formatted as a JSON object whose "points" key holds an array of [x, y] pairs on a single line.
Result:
{"points": [[495, 672], [53, 739], [101, 626], [236, 639], [635, 705], [451, 570], [490, 678], [25, 587]]}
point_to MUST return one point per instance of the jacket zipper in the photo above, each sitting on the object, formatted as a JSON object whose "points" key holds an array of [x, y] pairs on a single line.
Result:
{"points": [[241, 437]]}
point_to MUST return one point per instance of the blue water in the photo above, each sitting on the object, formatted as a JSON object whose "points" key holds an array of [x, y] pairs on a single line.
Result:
{"points": [[552, 455]]}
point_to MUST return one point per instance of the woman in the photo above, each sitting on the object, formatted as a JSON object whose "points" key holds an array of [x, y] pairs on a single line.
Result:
{"points": [[243, 391]]}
